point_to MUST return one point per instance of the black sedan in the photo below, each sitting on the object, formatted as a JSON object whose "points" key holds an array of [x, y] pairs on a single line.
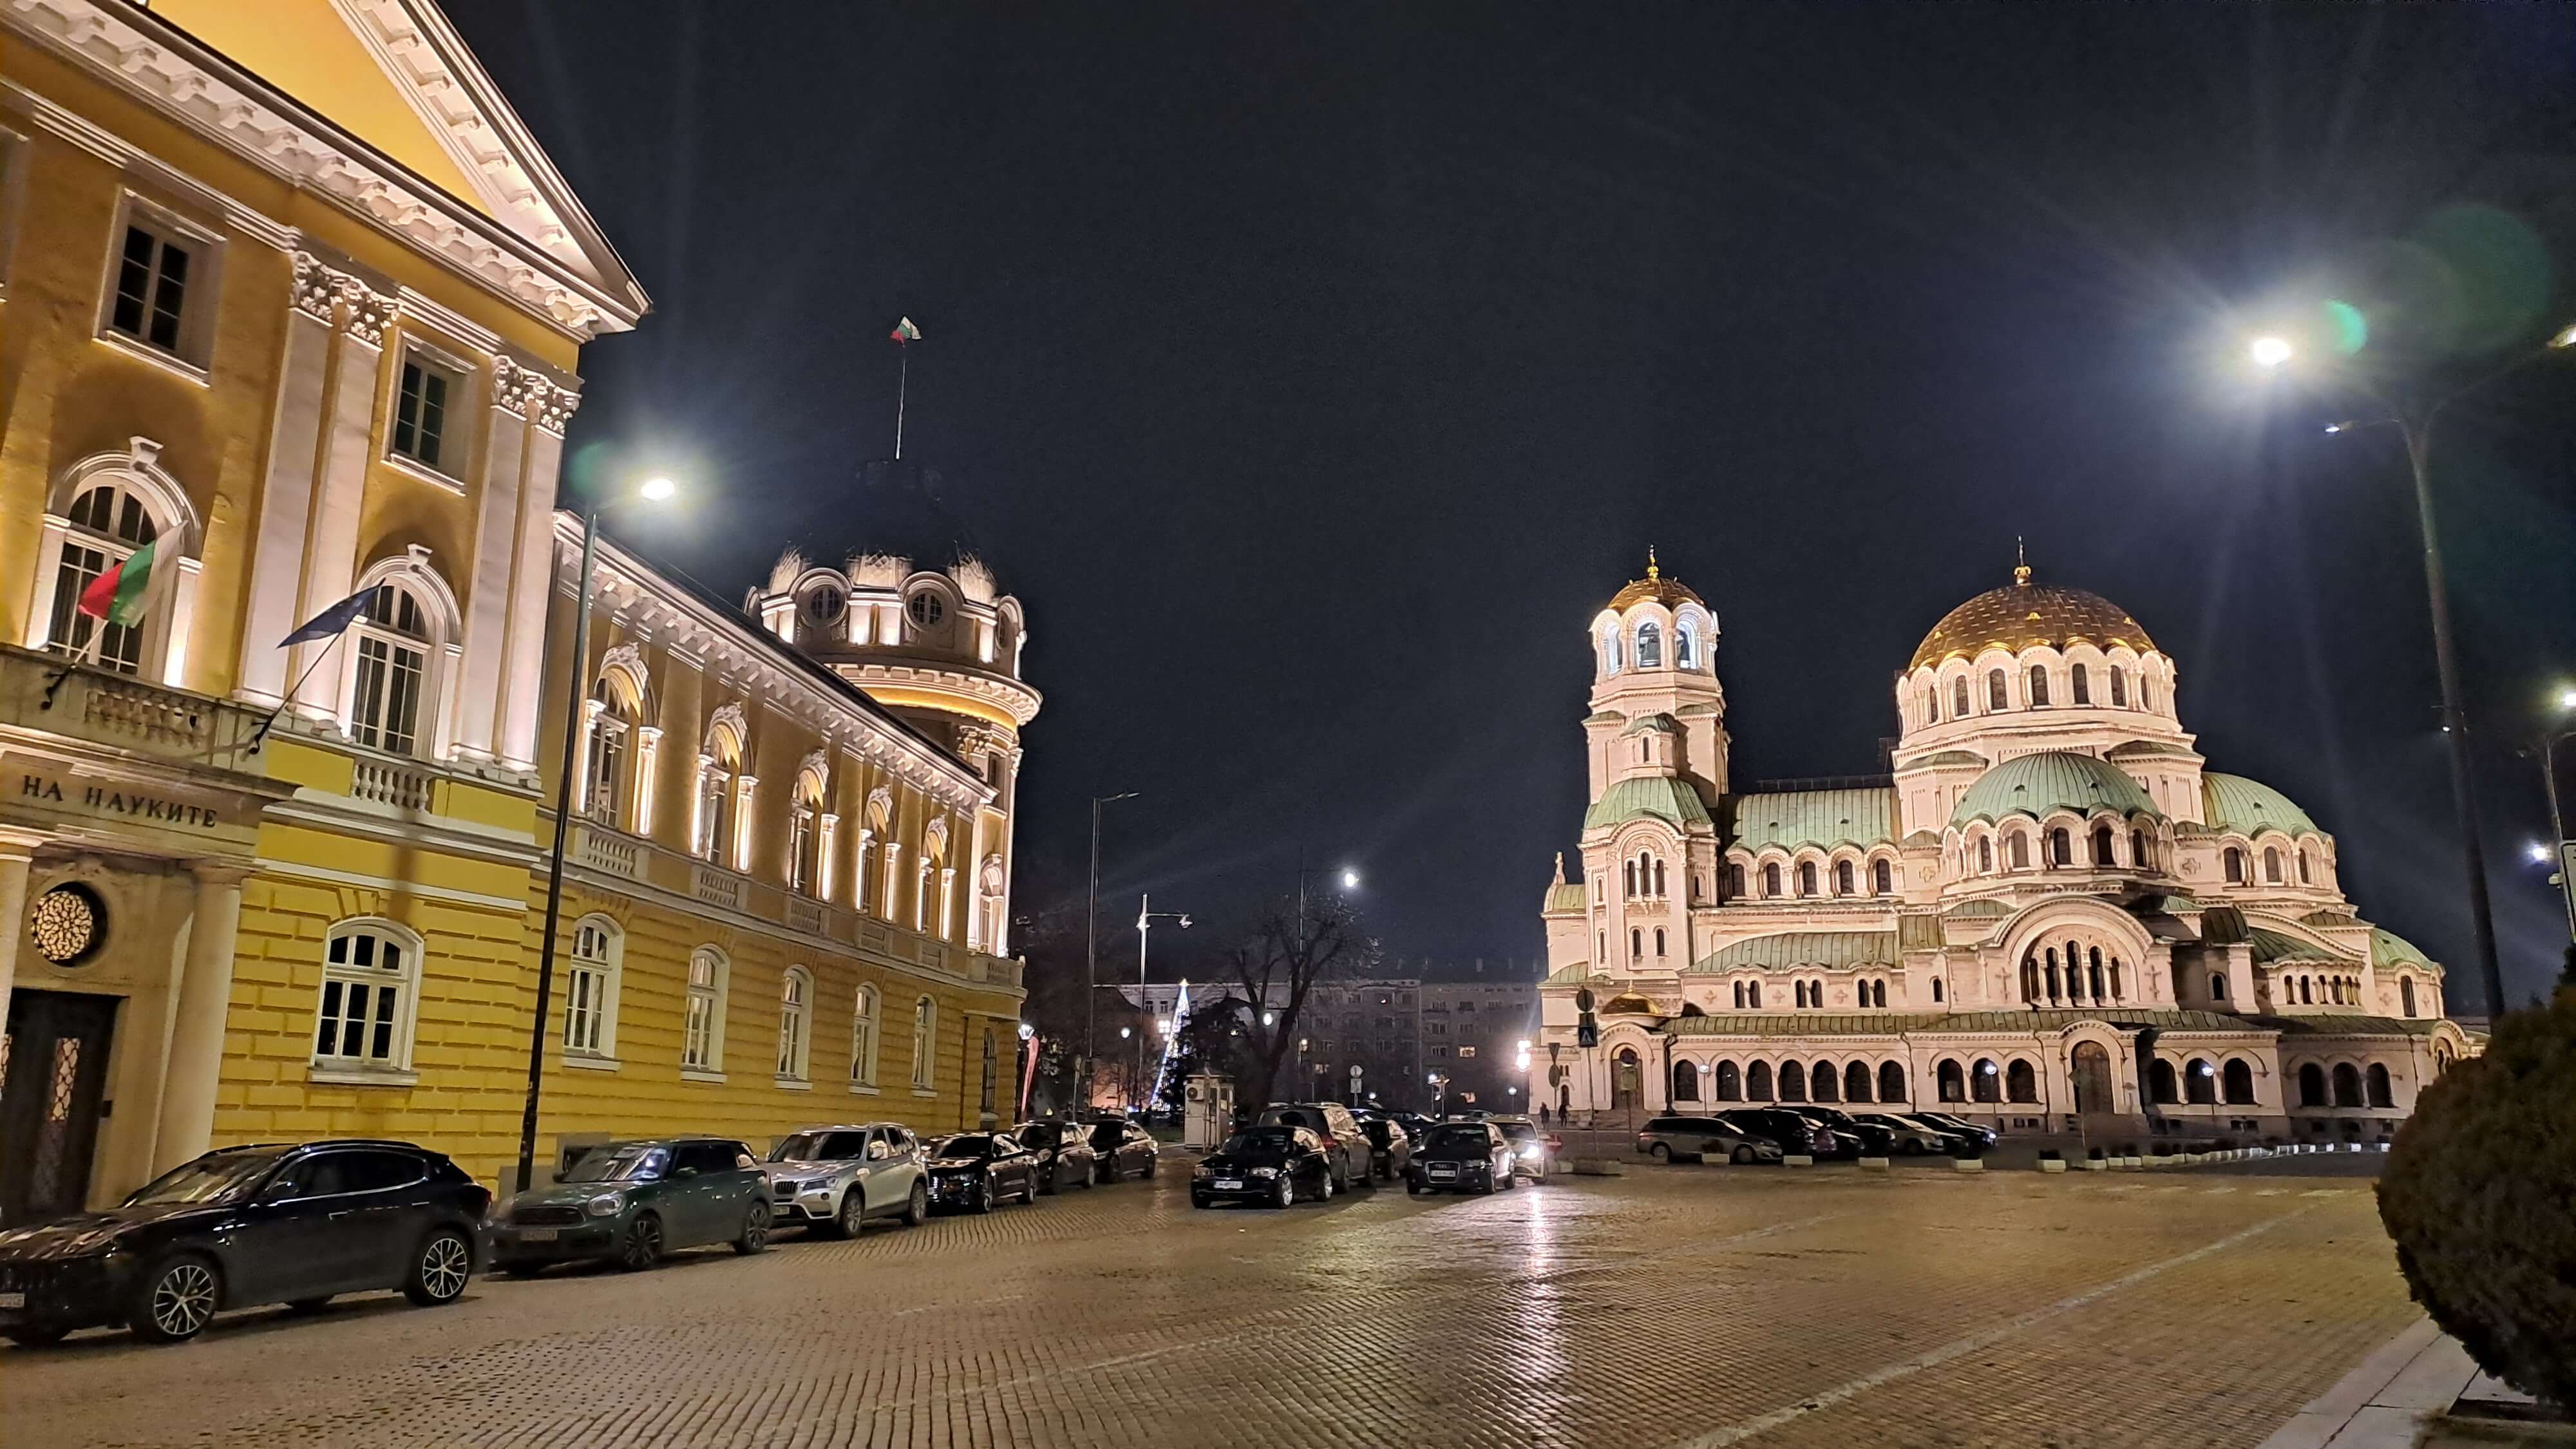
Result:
{"points": [[1065, 1155], [245, 1226], [1273, 1166], [1124, 1149], [975, 1170], [1463, 1157]]}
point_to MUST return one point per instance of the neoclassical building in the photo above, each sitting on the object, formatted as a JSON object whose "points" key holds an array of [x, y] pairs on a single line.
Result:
{"points": [[2050, 914]]}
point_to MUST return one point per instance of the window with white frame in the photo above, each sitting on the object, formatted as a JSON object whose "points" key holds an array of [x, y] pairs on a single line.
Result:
{"points": [[863, 1039], [715, 786], [702, 1029], [108, 522], [925, 1041], [423, 396], [370, 970], [795, 1011], [604, 762], [391, 643], [158, 284], [590, 989]]}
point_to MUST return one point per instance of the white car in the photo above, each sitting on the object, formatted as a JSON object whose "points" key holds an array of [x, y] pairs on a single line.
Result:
{"points": [[836, 1178]]}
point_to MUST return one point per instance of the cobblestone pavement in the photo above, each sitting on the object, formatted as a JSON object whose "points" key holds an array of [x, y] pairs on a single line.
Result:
{"points": [[1679, 1306]]}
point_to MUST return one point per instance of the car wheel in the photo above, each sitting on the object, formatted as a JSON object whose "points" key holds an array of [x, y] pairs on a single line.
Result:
{"points": [[641, 1248], [176, 1300], [984, 1194], [1150, 1164], [1286, 1196], [310, 1305], [1325, 1192], [1913, 1148], [440, 1269], [1198, 1199], [852, 1219], [916, 1208], [1511, 1180], [1054, 1179], [1660, 1153], [37, 1335], [755, 1231], [1742, 1155]]}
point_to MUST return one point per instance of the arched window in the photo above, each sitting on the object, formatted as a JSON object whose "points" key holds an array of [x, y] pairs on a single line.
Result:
{"points": [[2218, 986], [2119, 688], [1801, 988], [370, 977], [1806, 877], [1931, 705], [2238, 1079], [1757, 1082], [2347, 1085], [2406, 994], [1686, 644], [804, 833], [1959, 697], [2232, 865], [1936, 990], [1856, 1082], [1612, 660], [702, 1028], [1753, 994], [590, 988], [2079, 685], [992, 1074], [1983, 1081], [1659, 940], [2199, 1083], [795, 1010], [2102, 845], [1882, 878], [2021, 1083], [2093, 972], [2038, 686], [2146, 692], [2060, 849], [1628, 877], [1844, 881], [2138, 853], [1995, 698], [1891, 1082], [1730, 1082], [2161, 1087], [2049, 972], [1659, 880], [1793, 1082], [1650, 646], [2307, 875], [2030, 977], [2019, 849], [1985, 853], [107, 523], [2381, 1094], [1771, 879], [1739, 995], [709, 835], [2271, 865], [925, 1041], [603, 772], [391, 645], [1685, 1082], [1824, 1083], [1952, 1084], [863, 1038], [2306, 998], [2312, 1085]]}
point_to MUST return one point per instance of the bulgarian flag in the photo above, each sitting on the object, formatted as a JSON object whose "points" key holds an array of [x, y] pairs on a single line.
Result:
{"points": [[905, 332], [123, 594]]}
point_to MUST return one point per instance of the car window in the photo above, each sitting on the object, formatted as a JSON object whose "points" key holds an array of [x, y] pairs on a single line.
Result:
{"points": [[842, 1146], [1003, 1144], [324, 1174], [743, 1156], [877, 1149], [1105, 1135], [382, 1171], [899, 1140], [701, 1157], [627, 1162], [211, 1178]]}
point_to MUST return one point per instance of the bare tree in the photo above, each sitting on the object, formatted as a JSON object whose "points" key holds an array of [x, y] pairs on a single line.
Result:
{"points": [[1291, 949]]}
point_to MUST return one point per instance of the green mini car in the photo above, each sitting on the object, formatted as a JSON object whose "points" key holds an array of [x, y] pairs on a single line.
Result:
{"points": [[631, 1202]]}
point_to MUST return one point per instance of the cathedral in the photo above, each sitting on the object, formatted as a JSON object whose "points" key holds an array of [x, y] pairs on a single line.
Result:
{"points": [[2051, 915]]}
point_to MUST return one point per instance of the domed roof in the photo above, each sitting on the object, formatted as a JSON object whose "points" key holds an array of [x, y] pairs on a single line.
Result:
{"points": [[1668, 592], [1657, 724], [2033, 785], [2249, 807], [2021, 615]]}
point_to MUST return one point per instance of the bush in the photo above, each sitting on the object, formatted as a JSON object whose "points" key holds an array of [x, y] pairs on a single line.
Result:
{"points": [[2476, 1196]]}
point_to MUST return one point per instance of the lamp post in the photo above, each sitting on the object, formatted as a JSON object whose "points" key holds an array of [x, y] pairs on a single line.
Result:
{"points": [[2545, 750], [652, 490], [1091, 956], [2414, 425], [1146, 916]]}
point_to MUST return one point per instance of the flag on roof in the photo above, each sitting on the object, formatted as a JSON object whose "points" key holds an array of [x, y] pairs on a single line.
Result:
{"points": [[904, 332]]}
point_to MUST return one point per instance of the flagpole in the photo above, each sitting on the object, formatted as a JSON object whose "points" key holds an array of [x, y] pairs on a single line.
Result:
{"points": [[260, 735], [902, 380]]}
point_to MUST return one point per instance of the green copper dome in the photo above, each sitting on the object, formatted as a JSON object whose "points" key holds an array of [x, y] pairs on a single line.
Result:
{"points": [[1658, 796], [2232, 802], [2034, 785]]}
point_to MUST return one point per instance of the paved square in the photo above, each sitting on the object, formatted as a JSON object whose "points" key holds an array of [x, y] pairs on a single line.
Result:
{"points": [[1667, 1307]]}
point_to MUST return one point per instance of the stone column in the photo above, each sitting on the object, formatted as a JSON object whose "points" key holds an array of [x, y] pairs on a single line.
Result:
{"points": [[496, 534], [286, 494], [17, 852], [331, 540], [196, 1056], [549, 406]]}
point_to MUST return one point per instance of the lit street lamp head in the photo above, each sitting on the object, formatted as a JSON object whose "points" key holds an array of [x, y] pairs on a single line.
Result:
{"points": [[2567, 699], [2539, 853], [2270, 351], [657, 489], [1350, 880]]}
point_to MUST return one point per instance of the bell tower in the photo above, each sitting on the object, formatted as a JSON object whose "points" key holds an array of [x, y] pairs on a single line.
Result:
{"points": [[1657, 708]]}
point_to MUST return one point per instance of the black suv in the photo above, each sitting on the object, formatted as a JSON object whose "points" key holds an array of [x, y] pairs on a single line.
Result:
{"points": [[243, 1226], [1797, 1133]]}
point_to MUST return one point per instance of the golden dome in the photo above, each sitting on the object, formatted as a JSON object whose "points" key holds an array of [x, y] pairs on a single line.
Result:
{"points": [[2021, 615], [1655, 586]]}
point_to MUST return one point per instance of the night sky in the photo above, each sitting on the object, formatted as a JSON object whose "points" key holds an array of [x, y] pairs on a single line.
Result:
{"points": [[1314, 373]]}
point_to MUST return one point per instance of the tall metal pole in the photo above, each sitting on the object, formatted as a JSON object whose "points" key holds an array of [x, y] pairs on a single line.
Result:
{"points": [[555, 860], [1144, 925], [2548, 755], [2455, 722], [1090, 972]]}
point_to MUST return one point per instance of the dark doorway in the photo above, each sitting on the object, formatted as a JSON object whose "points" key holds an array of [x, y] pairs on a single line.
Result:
{"points": [[2092, 1078], [56, 1076]]}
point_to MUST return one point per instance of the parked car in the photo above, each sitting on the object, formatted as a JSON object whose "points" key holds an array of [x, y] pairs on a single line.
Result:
{"points": [[1390, 1147], [1123, 1149], [1696, 1139], [1977, 1135], [836, 1178], [1865, 1139], [631, 1203], [1346, 1147], [1273, 1166], [1064, 1152], [1464, 1157], [975, 1170], [245, 1226], [1913, 1138], [1797, 1133], [1534, 1151], [1415, 1125]]}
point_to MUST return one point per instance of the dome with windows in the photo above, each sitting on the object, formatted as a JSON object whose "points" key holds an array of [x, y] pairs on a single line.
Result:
{"points": [[2250, 807], [2023, 615], [1671, 593], [2036, 784]]}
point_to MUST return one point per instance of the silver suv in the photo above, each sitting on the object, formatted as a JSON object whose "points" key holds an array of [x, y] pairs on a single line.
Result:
{"points": [[836, 1178]]}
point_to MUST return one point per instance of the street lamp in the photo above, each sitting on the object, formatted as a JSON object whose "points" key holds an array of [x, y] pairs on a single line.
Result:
{"points": [[2545, 750], [2270, 351], [1350, 879], [1091, 952], [1146, 916], [655, 489]]}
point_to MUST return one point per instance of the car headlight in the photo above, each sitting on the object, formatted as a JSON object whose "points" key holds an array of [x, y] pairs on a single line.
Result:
{"points": [[1265, 1172], [1529, 1154], [604, 1206], [1202, 1170]]}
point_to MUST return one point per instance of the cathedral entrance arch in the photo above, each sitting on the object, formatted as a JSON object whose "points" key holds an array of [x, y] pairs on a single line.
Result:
{"points": [[2092, 1072]]}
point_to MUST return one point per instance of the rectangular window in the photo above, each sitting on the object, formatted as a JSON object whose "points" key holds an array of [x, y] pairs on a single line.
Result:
{"points": [[698, 1039], [585, 999], [385, 709], [607, 752], [420, 410], [712, 785], [151, 288], [362, 986]]}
